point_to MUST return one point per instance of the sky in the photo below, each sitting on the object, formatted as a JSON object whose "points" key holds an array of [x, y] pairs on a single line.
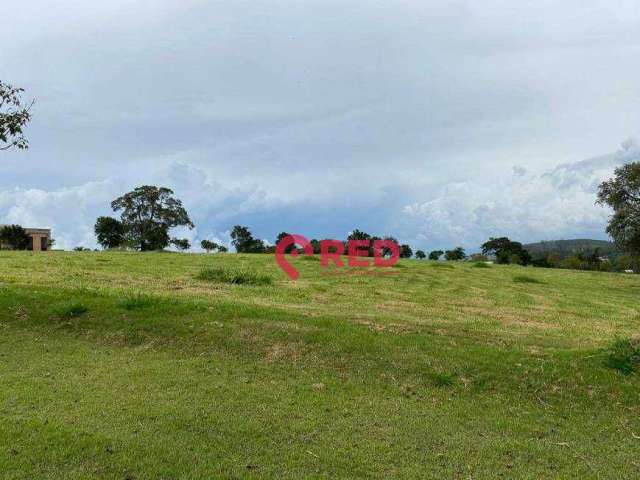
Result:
{"points": [[441, 123]]}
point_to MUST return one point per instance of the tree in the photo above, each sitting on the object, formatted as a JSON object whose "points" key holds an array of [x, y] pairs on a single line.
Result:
{"points": [[405, 251], [435, 254], [181, 243], [506, 251], [148, 212], [622, 194], [222, 249], [208, 245], [14, 115], [15, 237], [420, 255], [455, 254], [281, 236], [243, 240], [109, 232]]}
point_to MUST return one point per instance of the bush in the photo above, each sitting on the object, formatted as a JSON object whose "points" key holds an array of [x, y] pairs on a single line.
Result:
{"points": [[137, 301], [624, 356], [71, 310], [234, 276]]}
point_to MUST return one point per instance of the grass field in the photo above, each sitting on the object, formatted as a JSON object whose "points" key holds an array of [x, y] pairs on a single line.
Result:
{"points": [[163, 366]]}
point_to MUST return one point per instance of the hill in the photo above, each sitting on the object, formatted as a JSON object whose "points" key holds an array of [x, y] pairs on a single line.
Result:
{"points": [[566, 248], [128, 365]]}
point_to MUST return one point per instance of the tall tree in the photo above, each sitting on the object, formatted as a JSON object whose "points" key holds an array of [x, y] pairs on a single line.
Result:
{"points": [[208, 245], [243, 240], [405, 251], [109, 232], [622, 194], [435, 254], [15, 237], [455, 254], [14, 115], [506, 251], [182, 244], [148, 213]]}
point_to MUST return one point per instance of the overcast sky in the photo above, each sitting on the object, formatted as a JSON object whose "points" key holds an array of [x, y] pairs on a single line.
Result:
{"points": [[442, 123]]}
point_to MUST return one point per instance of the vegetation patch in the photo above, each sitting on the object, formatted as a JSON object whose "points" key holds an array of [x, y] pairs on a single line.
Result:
{"points": [[624, 356], [441, 265], [234, 276], [71, 310], [137, 301], [442, 380], [481, 265], [526, 279]]}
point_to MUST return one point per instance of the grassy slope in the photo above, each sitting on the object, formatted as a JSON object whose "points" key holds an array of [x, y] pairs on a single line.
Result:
{"points": [[437, 371]]}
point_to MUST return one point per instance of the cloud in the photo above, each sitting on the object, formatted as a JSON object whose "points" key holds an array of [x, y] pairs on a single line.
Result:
{"points": [[559, 203]]}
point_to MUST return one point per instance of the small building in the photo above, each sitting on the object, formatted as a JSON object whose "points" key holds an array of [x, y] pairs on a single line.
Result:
{"points": [[39, 239]]}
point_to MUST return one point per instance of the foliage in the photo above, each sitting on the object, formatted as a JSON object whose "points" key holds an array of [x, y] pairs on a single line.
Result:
{"points": [[14, 115], [181, 243], [109, 232], [405, 251], [420, 255], [624, 356], [435, 254], [622, 194], [455, 254], [209, 246], [148, 212], [15, 237], [71, 310], [234, 276], [243, 241], [506, 251]]}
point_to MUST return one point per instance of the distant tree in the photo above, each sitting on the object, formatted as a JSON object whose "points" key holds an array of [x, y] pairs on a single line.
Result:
{"points": [[282, 235], [455, 254], [243, 240], [181, 243], [360, 235], [506, 251], [209, 246], [148, 213], [622, 194], [435, 254], [222, 249], [81, 249], [315, 244], [15, 237], [14, 115], [405, 251], [420, 255], [109, 232]]}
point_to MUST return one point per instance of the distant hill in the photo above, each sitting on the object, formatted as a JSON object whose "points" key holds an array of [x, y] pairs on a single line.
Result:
{"points": [[565, 248]]}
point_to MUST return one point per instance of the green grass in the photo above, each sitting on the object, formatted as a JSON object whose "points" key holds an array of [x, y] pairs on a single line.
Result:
{"points": [[233, 276], [119, 365], [624, 356]]}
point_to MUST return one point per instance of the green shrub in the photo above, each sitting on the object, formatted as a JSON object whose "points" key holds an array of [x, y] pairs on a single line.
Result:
{"points": [[624, 356], [481, 265], [442, 379], [71, 310], [526, 279], [234, 276], [137, 301]]}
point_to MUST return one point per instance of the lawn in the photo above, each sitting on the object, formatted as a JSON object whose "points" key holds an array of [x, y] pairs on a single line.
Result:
{"points": [[167, 366]]}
